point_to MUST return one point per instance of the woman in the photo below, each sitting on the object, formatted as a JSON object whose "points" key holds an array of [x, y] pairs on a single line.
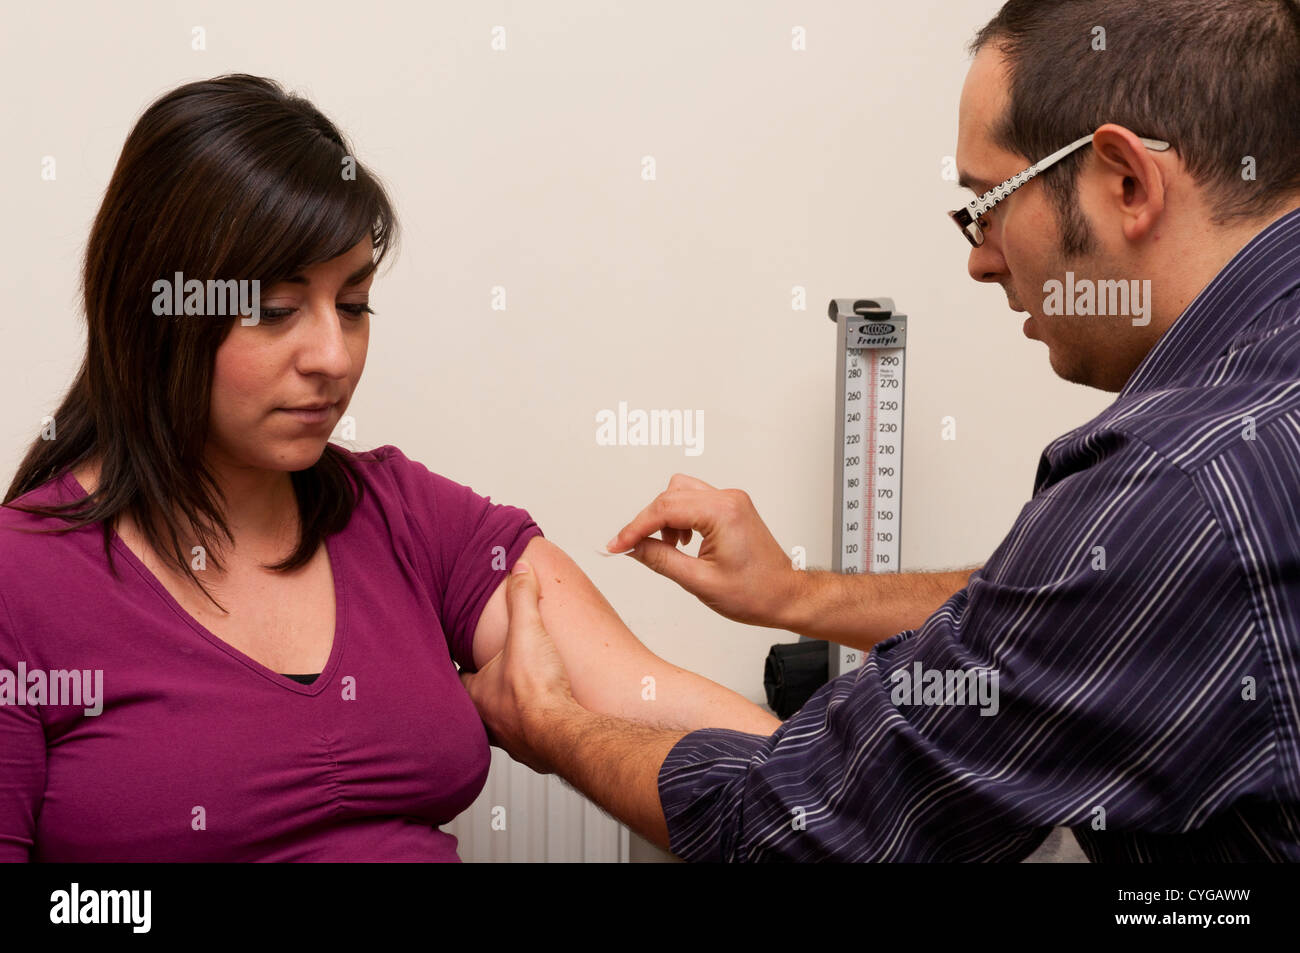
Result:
{"points": [[266, 622]]}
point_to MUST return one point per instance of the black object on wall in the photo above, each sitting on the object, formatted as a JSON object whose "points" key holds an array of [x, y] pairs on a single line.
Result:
{"points": [[792, 674]]}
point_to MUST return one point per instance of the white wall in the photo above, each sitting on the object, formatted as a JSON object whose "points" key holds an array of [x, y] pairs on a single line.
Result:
{"points": [[522, 168]]}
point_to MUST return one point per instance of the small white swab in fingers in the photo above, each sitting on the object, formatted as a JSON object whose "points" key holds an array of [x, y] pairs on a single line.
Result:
{"points": [[605, 552]]}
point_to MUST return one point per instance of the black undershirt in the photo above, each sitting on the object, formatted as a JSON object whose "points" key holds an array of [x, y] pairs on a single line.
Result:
{"points": [[305, 679]]}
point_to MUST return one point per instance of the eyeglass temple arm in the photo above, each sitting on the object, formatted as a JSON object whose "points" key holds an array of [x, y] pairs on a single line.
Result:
{"points": [[996, 194]]}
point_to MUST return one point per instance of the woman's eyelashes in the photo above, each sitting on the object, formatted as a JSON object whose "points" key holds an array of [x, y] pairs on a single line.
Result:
{"points": [[275, 315]]}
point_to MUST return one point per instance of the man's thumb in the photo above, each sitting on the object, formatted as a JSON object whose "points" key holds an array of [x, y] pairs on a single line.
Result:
{"points": [[522, 593]]}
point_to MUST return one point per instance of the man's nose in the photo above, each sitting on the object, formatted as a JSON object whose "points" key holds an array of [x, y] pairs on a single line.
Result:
{"points": [[986, 263]]}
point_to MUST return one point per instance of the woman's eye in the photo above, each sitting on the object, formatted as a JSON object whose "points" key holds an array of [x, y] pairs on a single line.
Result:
{"points": [[276, 315]]}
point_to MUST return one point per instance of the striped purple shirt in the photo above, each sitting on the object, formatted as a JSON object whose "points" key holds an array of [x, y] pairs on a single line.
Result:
{"points": [[1126, 664]]}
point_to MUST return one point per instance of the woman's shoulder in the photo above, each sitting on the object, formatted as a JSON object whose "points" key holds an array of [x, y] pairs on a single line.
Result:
{"points": [[27, 555], [411, 486], [391, 471], [52, 492]]}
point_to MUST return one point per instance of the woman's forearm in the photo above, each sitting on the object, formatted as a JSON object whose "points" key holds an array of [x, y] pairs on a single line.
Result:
{"points": [[684, 699]]}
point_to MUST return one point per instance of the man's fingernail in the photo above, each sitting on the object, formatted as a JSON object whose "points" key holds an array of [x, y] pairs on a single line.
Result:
{"points": [[520, 567], [610, 544]]}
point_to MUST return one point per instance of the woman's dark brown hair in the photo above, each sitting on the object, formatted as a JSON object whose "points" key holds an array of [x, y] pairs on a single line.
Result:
{"points": [[230, 178]]}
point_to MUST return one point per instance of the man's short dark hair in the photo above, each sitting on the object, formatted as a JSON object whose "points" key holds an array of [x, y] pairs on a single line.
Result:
{"points": [[1218, 79]]}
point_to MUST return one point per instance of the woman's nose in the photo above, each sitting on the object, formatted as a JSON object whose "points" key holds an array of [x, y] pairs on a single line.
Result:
{"points": [[325, 348]]}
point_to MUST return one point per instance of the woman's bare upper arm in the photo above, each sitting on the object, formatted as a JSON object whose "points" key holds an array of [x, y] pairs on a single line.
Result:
{"points": [[606, 662]]}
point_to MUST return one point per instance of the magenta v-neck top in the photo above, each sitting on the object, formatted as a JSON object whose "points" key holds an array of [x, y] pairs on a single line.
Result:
{"points": [[202, 754]]}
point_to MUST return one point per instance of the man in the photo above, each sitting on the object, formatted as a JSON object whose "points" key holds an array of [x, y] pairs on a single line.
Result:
{"points": [[1131, 650]]}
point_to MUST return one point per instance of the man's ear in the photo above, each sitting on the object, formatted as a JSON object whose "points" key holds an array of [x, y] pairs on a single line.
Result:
{"points": [[1135, 182]]}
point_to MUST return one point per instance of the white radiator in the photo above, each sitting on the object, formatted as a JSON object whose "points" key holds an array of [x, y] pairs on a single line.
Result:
{"points": [[524, 816]]}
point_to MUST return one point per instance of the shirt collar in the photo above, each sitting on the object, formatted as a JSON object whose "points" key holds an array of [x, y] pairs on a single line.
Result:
{"points": [[1264, 270]]}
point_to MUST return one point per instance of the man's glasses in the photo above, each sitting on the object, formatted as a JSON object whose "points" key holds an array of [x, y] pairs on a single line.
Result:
{"points": [[968, 219]]}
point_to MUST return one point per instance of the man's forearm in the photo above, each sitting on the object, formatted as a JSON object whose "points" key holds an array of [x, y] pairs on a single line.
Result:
{"points": [[861, 609], [614, 762]]}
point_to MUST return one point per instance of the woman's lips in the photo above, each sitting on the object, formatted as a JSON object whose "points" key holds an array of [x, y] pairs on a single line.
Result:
{"points": [[309, 416]]}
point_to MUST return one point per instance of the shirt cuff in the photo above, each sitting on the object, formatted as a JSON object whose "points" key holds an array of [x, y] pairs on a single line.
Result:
{"points": [[701, 786]]}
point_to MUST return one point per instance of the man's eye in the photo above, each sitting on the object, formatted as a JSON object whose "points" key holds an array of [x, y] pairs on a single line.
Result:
{"points": [[357, 309]]}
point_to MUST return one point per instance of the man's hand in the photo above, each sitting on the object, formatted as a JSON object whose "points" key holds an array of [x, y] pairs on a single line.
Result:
{"points": [[741, 572], [525, 683]]}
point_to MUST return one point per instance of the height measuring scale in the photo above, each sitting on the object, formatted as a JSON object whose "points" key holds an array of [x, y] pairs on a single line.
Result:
{"points": [[870, 342]]}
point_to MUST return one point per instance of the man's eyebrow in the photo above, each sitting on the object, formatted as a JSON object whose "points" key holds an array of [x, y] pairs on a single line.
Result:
{"points": [[358, 276], [979, 186]]}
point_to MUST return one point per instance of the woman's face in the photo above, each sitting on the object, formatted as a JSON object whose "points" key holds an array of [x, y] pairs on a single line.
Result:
{"points": [[307, 350]]}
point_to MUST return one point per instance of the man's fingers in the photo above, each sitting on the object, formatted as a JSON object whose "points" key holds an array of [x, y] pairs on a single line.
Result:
{"points": [[667, 561], [676, 537], [672, 509], [466, 678], [681, 536], [683, 481]]}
